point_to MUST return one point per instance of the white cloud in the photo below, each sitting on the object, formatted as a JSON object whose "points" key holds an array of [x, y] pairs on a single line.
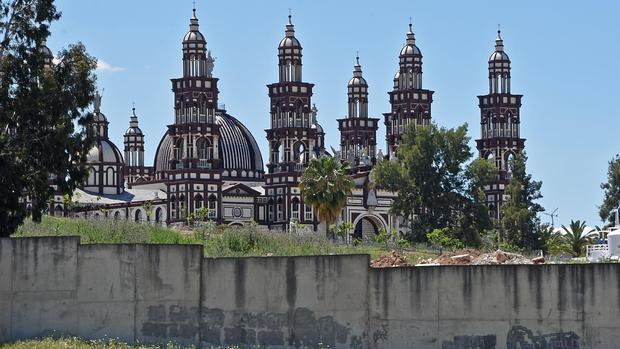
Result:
{"points": [[104, 66]]}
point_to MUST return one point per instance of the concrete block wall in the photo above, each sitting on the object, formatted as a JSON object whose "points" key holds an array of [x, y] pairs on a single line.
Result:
{"points": [[161, 293]]}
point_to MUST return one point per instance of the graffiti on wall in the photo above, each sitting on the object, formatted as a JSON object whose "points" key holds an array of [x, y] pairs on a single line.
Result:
{"points": [[519, 337], [212, 326], [471, 342]]}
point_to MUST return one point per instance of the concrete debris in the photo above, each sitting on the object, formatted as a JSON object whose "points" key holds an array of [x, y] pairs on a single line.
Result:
{"points": [[475, 257], [392, 260]]}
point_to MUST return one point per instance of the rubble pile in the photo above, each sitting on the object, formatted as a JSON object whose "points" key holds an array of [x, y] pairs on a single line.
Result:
{"points": [[475, 257], [392, 260]]}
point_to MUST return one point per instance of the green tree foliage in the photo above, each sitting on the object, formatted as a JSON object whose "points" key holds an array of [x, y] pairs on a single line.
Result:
{"points": [[611, 200], [324, 186], [520, 224], [40, 106], [442, 238], [341, 230], [577, 237], [436, 188]]}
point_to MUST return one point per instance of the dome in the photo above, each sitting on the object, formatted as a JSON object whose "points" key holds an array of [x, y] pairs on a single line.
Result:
{"points": [[499, 56], [99, 117], [133, 131], [237, 148], [410, 50], [289, 42], [194, 36], [357, 81], [104, 151]]}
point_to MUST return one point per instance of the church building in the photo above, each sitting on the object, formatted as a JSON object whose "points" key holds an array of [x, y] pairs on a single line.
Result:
{"points": [[208, 165]]}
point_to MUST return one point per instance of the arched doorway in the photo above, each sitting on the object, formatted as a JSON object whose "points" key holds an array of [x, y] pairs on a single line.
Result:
{"points": [[368, 226]]}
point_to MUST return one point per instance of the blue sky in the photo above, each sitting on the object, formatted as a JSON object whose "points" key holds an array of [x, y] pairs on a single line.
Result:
{"points": [[564, 61]]}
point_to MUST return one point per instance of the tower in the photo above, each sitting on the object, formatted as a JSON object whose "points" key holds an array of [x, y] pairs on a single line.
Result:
{"points": [[294, 136], [195, 167], [411, 104], [358, 132], [134, 150], [500, 120]]}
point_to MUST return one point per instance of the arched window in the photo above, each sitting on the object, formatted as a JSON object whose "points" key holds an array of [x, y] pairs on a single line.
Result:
{"points": [[510, 156], [205, 150], [212, 206], [295, 209], [158, 215], [299, 152], [117, 215], [178, 149], [109, 177], [198, 201], [138, 215]]}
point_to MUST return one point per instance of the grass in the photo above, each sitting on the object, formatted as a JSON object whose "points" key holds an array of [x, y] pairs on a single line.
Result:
{"points": [[75, 343], [219, 241]]}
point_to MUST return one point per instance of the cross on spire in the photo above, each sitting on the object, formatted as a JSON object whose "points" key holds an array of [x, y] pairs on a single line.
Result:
{"points": [[357, 57], [410, 23]]}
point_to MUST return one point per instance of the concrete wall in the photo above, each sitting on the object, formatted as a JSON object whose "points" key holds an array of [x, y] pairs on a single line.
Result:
{"points": [[158, 293]]}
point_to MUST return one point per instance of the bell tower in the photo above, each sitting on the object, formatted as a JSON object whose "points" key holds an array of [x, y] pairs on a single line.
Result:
{"points": [[358, 132], [411, 104], [500, 120], [294, 136]]}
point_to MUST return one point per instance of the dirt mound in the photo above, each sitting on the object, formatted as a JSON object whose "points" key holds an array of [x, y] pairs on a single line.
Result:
{"points": [[394, 259]]}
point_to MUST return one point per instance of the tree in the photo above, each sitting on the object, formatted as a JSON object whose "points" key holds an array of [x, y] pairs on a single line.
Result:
{"points": [[519, 219], [341, 230], [40, 105], [436, 189], [324, 186], [611, 201], [577, 237]]}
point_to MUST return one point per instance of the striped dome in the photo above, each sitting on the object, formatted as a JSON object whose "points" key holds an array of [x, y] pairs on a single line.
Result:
{"points": [[237, 148]]}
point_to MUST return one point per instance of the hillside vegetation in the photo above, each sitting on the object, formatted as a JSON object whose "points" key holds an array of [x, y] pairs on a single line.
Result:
{"points": [[222, 241]]}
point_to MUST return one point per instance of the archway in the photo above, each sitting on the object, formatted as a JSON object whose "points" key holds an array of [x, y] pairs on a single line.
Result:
{"points": [[158, 215], [367, 226]]}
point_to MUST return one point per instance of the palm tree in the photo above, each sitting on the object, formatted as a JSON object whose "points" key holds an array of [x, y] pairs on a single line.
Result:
{"points": [[576, 237], [324, 186]]}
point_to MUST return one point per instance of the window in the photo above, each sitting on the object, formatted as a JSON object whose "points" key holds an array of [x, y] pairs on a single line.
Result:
{"points": [[308, 215], [212, 206], [198, 201], [295, 209], [138, 215], [279, 209]]}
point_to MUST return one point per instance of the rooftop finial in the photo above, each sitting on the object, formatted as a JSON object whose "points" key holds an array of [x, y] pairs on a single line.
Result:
{"points": [[499, 32], [290, 21], [357, 57]]}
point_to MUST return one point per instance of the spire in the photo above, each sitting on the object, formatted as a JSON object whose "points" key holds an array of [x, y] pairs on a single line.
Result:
{"points": [[410, 34], [290, 28], [134, 117], [499, 42], [193, 22], [357, 69]]}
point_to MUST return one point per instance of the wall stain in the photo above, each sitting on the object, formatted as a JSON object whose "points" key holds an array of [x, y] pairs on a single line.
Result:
{"points": [[471, 342]]}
